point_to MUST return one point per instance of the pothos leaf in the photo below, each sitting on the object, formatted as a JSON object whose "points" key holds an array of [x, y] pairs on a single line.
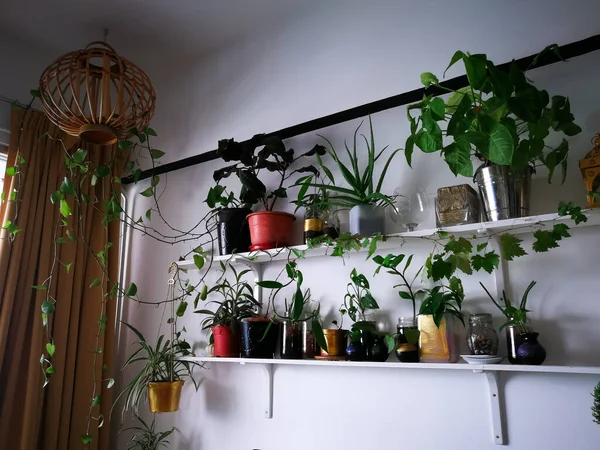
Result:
{"points": [[181, 309]]}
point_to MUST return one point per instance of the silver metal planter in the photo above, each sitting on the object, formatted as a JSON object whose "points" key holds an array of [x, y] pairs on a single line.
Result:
{"points": [[504, 192]]}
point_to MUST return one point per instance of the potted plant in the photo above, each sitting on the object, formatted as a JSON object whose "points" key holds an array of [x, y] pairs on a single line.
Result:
{"points": [[145, 437], [268, 228], [161, 375], [363, 195], [297, 313], [237, 303], [363, 332], [521, 340], [319, 215], [335, 341], [438, 339], [596, 404], [500, 119], [233, 233], [406, 341]]}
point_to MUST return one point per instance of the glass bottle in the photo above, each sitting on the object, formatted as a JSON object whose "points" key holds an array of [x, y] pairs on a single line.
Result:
{"points": [[482, 339], [331, 226], [407, 346], [313, 223]]}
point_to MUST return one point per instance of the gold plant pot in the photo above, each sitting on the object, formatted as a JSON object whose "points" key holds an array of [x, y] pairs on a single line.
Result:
{"points": [[164, 396], [438, 344], [336, 342]]}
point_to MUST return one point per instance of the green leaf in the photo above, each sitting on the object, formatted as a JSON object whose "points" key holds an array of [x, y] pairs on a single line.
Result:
{"points": [[102, 171], [155, 180], [124, 145], [475, 66], [409, 149], [150, 132], [48, 307], [181, 309], [458, 55], [573, 210], [40, 287], [50, 348], [427, 78], [95, 282], [50, 370], [458, 158], [544, 241], [148, 192], [35, 93], [67, 187], [156, 154], [390, 343], [487, 262], [441, 269], [131, 290], [80, 155], [96, 401], [482, 246], [560, 230], [56, 197], [68, 267], [501, 145], [438, 108], [510, 247], [199, 261], [11, 171], [65, 209], [111, 383], [270, 284]]}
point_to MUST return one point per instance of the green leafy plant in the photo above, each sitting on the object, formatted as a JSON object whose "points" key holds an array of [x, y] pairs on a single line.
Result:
{"points": [[298, 308], [515, 316], [347, 242], [160, 363], [443, 300], [145, 437], [363, 188], [258, 154], [357, 301], [499, 118], [237, 302], [219, 197], [391, 263], [596, 404]]}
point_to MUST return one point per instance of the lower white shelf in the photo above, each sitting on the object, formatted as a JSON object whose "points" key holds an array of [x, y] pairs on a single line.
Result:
{"points": [[490, 371]]}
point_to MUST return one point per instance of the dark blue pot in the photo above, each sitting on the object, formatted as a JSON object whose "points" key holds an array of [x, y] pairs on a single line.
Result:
{"points": [[355, 351], [530, 351]]}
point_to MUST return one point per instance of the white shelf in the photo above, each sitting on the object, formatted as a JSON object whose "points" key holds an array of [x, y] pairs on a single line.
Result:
{"points": [[590, 370], [491, 372], [394, 241]]}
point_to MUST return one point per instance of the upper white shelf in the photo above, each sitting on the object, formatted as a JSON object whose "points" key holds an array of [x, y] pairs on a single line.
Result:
{"points": [[483, 229], [590, 370]]}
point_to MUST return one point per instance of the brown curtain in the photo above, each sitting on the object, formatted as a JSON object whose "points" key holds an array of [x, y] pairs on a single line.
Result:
{"points": [[54, 417]]}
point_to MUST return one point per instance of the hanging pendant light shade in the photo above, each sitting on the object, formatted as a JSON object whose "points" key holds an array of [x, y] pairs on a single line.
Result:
{"points": [[97, 95]]}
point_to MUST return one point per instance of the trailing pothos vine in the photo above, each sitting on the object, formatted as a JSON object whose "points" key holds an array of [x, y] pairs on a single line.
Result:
{"points": [[69, 198]]}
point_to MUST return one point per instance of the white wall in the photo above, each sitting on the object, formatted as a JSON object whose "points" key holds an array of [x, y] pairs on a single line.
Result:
{"points": [[335, 58]]}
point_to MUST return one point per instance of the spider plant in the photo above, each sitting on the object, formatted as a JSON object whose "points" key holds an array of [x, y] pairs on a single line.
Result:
{"points": [[516, 316], [362, 188], [145, 437], [159, 363]]}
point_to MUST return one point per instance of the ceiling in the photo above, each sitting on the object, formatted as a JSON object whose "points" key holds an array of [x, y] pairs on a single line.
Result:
{"points": [[182, 27]]}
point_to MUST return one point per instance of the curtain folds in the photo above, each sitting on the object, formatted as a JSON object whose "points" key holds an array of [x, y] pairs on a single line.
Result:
{"points": [[54, 417]]}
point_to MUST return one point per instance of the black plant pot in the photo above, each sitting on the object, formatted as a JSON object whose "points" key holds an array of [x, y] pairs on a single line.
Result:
{"points": [[290, 340], [355, 351], [378, 352], [531, 351], [233, 231], [255, 344]]}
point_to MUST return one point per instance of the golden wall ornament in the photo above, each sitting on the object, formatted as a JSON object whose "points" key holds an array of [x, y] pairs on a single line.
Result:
{"points": [[590, 169], [97, 95]]}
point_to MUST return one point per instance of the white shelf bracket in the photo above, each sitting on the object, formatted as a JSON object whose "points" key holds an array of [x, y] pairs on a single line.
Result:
{"points": [[497, 422], [258, 271], [268, 408]]}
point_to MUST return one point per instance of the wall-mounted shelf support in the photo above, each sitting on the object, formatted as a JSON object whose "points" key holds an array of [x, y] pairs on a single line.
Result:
{"points": [[268, 384], [497, 421], [257, 270]]}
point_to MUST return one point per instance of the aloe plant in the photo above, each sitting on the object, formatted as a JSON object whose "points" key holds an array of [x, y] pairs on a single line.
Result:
{"points": [[363, 188], [516, 316]]}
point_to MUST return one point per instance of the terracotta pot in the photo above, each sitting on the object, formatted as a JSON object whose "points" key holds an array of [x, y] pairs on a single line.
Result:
{"points": [[164, 396], [336, 342], [270, 229], [227, 342]]}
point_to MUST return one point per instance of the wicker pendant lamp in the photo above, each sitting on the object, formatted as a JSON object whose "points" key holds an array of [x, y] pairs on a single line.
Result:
{"points": [[97, 95]]}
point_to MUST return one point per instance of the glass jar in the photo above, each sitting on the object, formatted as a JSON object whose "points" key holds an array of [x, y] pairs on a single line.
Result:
{"points": [[310, 348], [313, 223], [407, 345], [482, 339], [331, 225]]}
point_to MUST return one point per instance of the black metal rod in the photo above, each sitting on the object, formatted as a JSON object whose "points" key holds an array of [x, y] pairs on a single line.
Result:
{"points": [[567, 52]]}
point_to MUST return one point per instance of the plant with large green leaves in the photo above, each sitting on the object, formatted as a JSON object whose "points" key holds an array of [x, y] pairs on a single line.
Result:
{"points": [[255, 155], [145, 436], [159, 363], [298, 309], [237, 301], [363, 187], [515, 316], [442, 300], [391, 262], [499, 118], [357, 301]]}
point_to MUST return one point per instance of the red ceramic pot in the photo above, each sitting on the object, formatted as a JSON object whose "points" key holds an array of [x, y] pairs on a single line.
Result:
{"points": [[270, 229], [227, 343]]}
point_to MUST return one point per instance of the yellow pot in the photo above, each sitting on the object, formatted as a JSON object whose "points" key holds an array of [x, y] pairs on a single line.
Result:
{"points": [[438, 344], [336, 342], [164, 396]]}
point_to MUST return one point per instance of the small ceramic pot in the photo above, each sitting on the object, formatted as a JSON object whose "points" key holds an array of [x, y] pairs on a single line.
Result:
{"points": [[356, 351], [227, 342], [531, 351], [336, 342]]}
